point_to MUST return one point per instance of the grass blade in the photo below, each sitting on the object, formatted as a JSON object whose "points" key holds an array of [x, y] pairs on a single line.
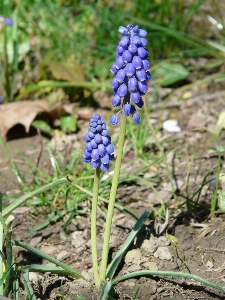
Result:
{"points": [[169, 273], [29, 289], [105, 290], [69, 270], [26, 197]]}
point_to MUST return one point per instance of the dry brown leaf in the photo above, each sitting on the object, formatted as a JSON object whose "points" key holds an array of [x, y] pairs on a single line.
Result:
{"points": [[23, 112]]}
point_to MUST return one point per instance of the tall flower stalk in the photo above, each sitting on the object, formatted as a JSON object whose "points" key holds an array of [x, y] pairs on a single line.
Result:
{"points": [[131, 70]]}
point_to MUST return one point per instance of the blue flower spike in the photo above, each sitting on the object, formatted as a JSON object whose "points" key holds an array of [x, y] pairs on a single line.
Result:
{"points": [[99, 150], [131, 71]]}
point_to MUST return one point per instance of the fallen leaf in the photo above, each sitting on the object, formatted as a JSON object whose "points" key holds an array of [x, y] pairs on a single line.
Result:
{"points": [[23, 112]]}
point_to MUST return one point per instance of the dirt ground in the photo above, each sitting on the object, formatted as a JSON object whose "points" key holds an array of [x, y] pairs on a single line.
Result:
{"points": [[192, 243]]}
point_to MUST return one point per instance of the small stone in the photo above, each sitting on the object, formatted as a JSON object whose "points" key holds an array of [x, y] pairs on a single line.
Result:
{"points": [[133, 268], [49, 249], [149, 246], [34, 277], [163, 253], [62, 236], [209, 264], [150, 265], [133, 257], [171, 126], [36, 240]]}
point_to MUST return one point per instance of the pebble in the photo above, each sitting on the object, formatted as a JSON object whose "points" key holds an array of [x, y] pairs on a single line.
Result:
{"points": [[163, 253], [133, 257], [149, 246]]}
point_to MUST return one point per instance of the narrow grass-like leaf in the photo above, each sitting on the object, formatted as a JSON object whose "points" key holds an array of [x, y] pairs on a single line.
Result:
{"points": [[5, 275], [120, 207], [136, 294], [51, 269], [120, 254], [54, 84], [26, 197], [33, 166], [72, 272], [169, 273], [217, 46], [14, 167], [180, 36], [105, 290], [28, 287], [47, 222]]}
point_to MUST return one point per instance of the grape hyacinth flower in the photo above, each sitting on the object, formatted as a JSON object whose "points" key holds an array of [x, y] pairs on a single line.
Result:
{"points": [[131, 70], [99, 150]]}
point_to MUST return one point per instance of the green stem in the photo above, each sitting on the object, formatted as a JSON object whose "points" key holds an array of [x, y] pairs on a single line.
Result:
{"points": [[1, 243], [169, 273], [6, 64], [9, 261], [93, 227], [112, 198]]}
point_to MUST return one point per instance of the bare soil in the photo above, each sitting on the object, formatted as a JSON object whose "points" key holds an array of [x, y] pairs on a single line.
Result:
{"points": [[191, 242]]}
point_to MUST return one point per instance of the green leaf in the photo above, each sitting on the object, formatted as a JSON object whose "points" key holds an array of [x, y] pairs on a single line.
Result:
{"points": [[42, 125], [168, 273], [26, 197], [5, 275], [48, 84], [170, 73], [71, 272], [105, 290], [217, 46], [68, 123], [120, 254], [221, 200]]}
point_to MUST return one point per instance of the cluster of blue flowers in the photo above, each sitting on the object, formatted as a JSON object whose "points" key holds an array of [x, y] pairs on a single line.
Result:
{"points": [[99, 150], [131, 70]]}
